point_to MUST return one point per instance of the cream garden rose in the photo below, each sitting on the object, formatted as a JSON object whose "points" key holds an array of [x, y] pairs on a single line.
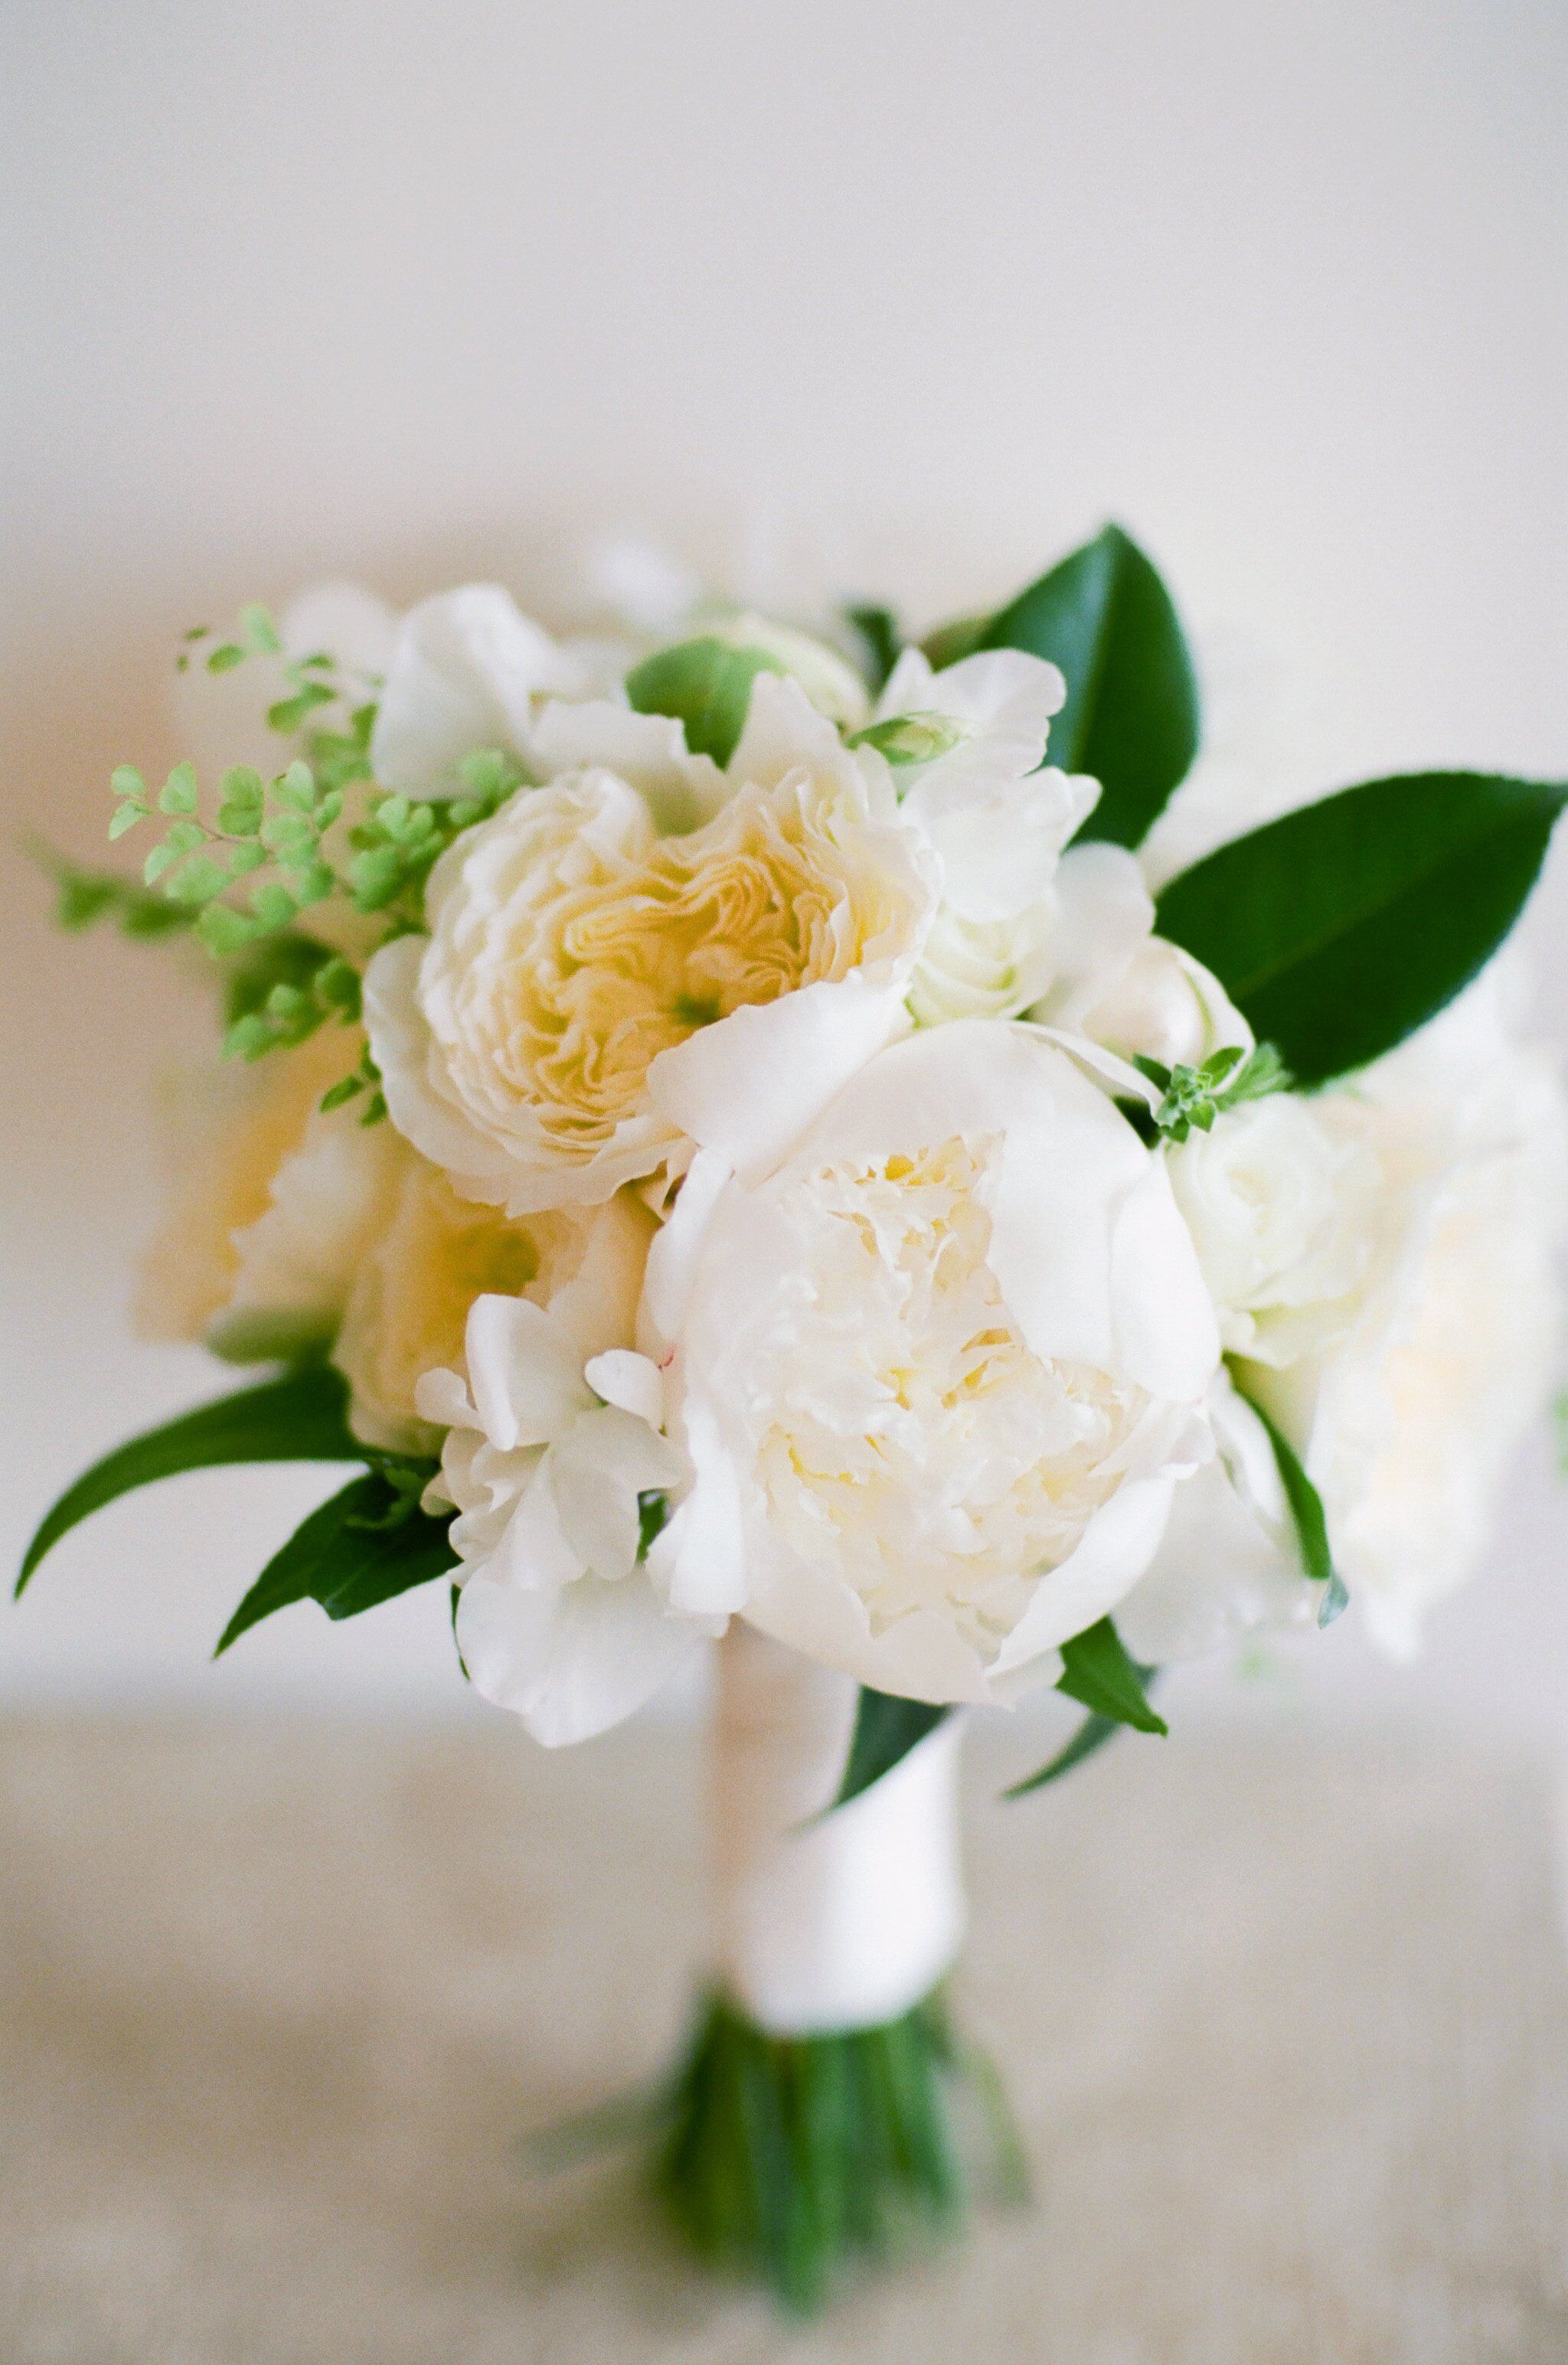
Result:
{"points": [[940, 1374], [277, 1205], [592, 993]]}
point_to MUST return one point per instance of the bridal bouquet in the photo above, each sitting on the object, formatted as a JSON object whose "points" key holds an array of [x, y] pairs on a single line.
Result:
{"points": [[735, 1133]]}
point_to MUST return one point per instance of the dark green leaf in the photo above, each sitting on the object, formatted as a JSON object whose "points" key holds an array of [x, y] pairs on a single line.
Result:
{"points": [[89, 895], [1311, 1521], [1097, 1672], [886, 1730], [1340, 929], [1131, 715], [879, 636], [300, 1416], [1091, 1734], [706, 684], [364, 1547]]}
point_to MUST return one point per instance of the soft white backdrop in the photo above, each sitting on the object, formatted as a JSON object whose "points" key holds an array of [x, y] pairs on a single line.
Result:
{"points": [[911, 297]]}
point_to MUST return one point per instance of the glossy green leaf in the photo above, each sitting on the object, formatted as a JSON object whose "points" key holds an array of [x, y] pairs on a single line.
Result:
{"points": [[364, 1547], [301, 1416], [1097, 1671], [1340, 929], [1092, 1736], [1131, 715], [706, 685], [886, 1730]]}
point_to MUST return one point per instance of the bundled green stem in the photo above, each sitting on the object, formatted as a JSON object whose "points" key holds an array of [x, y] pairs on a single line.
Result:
{"points": [[787, 2159]]}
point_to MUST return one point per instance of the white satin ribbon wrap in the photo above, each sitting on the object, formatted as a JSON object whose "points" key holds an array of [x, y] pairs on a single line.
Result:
{"points": [[825, 1921]]}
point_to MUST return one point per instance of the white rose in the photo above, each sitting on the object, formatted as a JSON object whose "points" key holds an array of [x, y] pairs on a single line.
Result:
{"points": [[1163, 1004], [1282, 1198], [593, 995], [549, 1454], [275, 1205], [1406, 1422], [940, 1371], [432, 1254]]}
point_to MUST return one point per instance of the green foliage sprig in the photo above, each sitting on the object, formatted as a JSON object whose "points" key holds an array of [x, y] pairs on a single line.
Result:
{"points": [[1195, 1096]]}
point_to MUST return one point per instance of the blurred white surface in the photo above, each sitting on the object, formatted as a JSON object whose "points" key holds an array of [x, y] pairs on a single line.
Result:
{"points": [[903, 299]]}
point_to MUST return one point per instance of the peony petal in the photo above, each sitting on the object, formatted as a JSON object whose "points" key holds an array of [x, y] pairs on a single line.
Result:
{"points": [[1103, 916], [749, 1085], [1166, 1333], [999, 839], [784, 732], [672, 1259]]}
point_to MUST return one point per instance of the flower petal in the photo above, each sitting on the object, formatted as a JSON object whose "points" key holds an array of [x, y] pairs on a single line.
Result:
{"points": [[525, 1373], [464, 672], [629, 1380], [570, 1662]]}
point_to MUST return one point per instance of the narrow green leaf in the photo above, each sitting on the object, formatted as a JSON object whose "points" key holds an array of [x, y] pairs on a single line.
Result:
{"points": [[300, 1416], [706, 685], [1307, 1512], [1131, 715], [886, 1730], [350, 1555], [1341, 928], [1097, 1672], [1092, 1736], [336, 1094]]}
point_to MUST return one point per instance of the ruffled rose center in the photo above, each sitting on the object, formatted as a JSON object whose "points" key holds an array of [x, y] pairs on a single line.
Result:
{"points": [[587, 976]]}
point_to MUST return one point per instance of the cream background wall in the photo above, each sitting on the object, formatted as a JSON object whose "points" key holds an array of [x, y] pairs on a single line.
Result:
{"points": [[908, 296]]}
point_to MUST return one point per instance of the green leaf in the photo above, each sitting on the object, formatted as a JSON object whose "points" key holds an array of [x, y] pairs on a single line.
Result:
{"points": [[286, 957], [287, 714], [259, 632], [1340, 929], [1307, 1512], [124, 780], [224, 658], [199, 881], [1091, 1734], [886, 1730], [178, 794], [225, 931], [274, 905], [1131, 715], [242, 802], [879, 636], [301, 1416], [1097, 1672], [706, 684], [358, 1550], [125, 817]]}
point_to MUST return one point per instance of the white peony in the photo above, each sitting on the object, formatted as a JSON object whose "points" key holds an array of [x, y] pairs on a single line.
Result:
{"points": [[553, 1442], [939, 1372], [1159, 1002], [593, 994]]}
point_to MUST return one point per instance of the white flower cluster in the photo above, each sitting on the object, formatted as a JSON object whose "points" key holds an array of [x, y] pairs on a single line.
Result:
{"points": [[761, 1228]]}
